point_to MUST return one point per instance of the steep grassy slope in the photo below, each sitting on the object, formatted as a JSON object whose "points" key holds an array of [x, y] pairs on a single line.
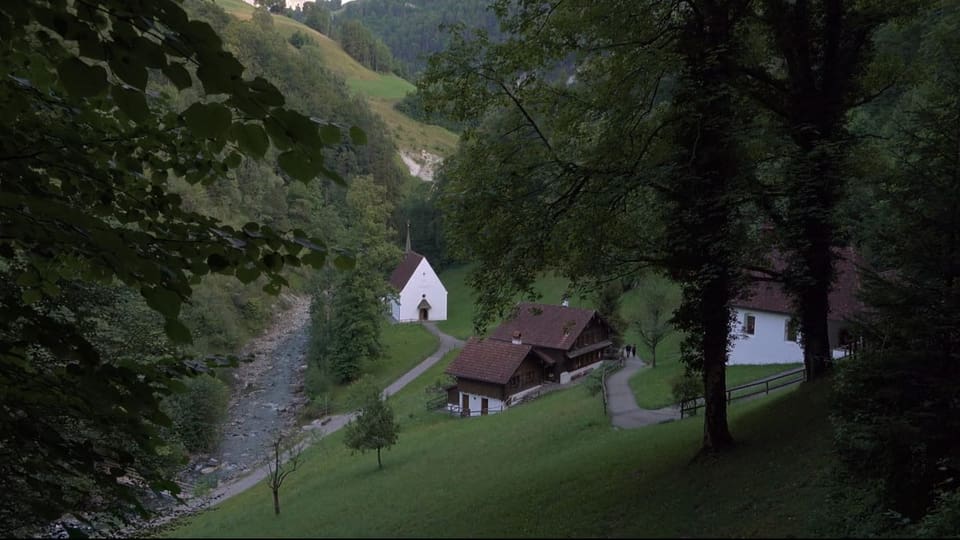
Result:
{"points": [[380, 91], [555, 468]]}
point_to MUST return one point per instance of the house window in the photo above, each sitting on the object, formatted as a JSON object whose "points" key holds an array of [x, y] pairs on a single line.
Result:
{"points": [[749, 324], [514, 381], [790, 329], [844, 337]]}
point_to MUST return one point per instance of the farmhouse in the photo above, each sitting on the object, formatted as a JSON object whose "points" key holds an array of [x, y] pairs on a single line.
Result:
{"points": [[540, 345], [421, 295], [765, 330]]}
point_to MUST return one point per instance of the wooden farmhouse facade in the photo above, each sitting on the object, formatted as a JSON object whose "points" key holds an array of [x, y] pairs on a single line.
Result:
{"points": [[541, 344]]}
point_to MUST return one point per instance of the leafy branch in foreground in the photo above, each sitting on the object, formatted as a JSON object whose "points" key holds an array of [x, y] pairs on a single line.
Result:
{"points": [[92, 144]]}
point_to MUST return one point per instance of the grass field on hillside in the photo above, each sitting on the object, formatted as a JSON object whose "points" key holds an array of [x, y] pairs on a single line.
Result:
{"points": [[380, 90], [386, 86], [406, 345], [555, 468]]}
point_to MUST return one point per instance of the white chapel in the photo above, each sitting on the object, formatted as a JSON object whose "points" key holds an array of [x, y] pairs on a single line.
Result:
{"points": [[421, 295]]}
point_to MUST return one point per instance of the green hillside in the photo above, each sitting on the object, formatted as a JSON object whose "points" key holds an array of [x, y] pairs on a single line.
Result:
{"points": [[555, 468], [380, 91]]}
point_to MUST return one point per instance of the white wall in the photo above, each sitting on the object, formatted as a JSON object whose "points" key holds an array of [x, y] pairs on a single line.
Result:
{"points": [[767, 345], [494, 405], [424, 283]]}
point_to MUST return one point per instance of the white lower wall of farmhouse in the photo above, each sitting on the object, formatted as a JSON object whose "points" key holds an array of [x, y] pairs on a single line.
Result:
{"points": [[767, 344], [494, 405]]}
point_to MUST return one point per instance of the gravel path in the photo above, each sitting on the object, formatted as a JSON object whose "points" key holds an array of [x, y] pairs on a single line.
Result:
{"points": [[622, 405]]}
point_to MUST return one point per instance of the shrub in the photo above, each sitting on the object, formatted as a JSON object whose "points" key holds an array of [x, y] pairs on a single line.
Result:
{"points": [[687, 386], [198, 412]]}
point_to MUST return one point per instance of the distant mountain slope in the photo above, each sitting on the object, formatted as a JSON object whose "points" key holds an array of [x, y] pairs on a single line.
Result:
{"points": [[411, 27], [378, 90]]}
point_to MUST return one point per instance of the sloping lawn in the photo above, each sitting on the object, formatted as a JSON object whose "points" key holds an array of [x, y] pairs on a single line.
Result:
{"points": [[555, 468], [653, 387], [406, 345]]}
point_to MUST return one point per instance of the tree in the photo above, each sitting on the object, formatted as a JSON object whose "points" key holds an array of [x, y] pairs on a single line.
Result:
{"points": [[657, 302], [817, 77], [94, 142], [626, 142], [374, 428], [318, 17], [284, 459], [896, 402], [607, 301], [356, 310]]}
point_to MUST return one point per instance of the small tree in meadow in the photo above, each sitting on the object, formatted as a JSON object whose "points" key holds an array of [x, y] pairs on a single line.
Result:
{"points": [[652, 319], [285, 458], [375, 427]]}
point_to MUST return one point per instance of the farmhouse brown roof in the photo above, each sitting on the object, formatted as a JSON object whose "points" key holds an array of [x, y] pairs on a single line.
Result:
{"points": [[488, 360], [770, 296], [545, 325], [401, 274]]}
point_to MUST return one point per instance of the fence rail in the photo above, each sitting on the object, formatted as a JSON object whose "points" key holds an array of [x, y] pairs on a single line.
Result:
{"points": [[689, 407], [456, 410]]}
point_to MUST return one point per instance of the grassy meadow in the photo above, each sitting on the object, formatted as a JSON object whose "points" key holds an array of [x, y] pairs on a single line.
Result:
{"points": [[555, 468]]}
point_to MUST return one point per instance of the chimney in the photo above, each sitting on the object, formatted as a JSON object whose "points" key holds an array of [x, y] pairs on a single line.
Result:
{"points": [[564, 301], [516, 338]]}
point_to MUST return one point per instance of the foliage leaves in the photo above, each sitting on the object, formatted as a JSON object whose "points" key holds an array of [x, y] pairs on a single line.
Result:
{"points": [[93, 148]]}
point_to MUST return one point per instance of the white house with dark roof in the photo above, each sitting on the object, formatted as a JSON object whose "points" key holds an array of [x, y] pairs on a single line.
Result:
{"points": [[765, 330], [421, 295]]}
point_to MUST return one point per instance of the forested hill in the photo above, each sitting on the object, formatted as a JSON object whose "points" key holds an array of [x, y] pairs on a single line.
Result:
{"points": [[411, 28], [381, 91]]}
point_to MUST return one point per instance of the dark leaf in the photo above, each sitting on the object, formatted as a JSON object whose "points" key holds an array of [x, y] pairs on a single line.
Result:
{"points": [[80, 79], [209, 120], [357, 135], [178, 75], [177, 332]]}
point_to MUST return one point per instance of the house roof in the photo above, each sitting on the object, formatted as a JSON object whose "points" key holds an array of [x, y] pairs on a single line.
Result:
{"points": [[770, 296], [488, 360], [401, 274], [545, 325]]}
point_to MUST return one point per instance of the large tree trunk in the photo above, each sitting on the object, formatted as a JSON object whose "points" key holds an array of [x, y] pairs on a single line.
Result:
{"points": [[716, 433], [809, 240], [824, 47], [704, 239], [814, 312]]}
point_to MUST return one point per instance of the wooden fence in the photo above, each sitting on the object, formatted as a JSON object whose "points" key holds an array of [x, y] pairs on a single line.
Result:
{"points": [[455, 410], [689, 407]]}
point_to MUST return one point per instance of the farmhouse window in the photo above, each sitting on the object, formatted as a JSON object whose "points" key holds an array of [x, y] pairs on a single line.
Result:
{"points": [[749, 324], [514, 381], [790, 330]]}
